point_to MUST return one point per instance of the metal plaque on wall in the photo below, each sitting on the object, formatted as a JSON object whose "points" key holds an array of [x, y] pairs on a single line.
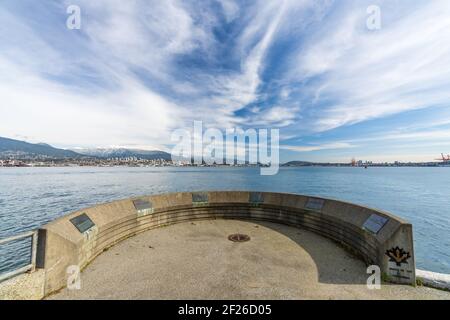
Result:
{"points": [[200, 197], [374, 223], [315, 204], [83, 223], [256, 197], [142, 206]]}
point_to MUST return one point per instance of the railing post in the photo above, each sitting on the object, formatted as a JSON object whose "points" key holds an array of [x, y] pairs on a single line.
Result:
{"points": [[34, 243]]}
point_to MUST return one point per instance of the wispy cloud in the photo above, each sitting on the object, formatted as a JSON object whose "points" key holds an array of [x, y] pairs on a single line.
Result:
{"points": [[370, 74], [137, 70], [327, 146], [277, 116]]}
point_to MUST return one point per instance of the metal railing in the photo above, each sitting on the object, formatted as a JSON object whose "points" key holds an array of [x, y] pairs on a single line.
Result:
{"points": [[30, 267]]}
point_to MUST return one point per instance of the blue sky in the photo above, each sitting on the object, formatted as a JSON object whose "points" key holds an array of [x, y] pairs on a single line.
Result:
{"points": [[137, 70]]}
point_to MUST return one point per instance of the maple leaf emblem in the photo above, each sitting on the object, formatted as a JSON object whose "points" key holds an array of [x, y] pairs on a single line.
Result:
{"points": [[398, 255]]}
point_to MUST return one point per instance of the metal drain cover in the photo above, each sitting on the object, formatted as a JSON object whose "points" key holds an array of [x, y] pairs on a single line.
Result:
{"points": [[239, 237]]}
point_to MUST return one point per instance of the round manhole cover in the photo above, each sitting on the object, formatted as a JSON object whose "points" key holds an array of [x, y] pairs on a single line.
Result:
{"points": [[239, 237]]}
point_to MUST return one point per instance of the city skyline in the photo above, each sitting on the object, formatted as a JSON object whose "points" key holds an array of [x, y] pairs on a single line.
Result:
{"points": [[136, 71]]}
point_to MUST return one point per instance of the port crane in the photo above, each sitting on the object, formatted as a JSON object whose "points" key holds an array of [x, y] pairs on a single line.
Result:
{"points": [[445, 159]]}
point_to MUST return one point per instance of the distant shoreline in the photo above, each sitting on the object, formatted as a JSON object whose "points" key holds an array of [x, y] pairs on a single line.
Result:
{"points": [[226, 166]]}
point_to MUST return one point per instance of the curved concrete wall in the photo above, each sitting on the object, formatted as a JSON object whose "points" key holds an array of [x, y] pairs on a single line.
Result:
{"points": [[377, 237]]}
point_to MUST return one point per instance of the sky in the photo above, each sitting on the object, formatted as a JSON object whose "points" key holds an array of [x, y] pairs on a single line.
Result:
{"points": [[138, 70]]}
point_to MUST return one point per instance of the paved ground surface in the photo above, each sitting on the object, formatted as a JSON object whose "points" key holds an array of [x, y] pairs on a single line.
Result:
{"points": [[197, 261]]}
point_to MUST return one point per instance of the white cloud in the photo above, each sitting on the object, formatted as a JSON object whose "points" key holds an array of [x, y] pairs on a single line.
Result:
{"points": [[414, 136], [52, 113], [407, 140], [118, 38], [142, 34], [277, 116], [367, 75], [230, 9], [236, 90], [327, 146]]}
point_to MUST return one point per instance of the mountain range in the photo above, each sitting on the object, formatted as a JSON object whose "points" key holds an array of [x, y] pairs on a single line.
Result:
{"points": [[125, 153], [10, 148], [21, 149]]}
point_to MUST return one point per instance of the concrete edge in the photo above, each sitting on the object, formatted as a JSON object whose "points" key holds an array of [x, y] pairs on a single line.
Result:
{"points": [[434, 279]]}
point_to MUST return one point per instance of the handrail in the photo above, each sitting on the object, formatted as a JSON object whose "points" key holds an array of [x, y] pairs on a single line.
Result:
{"points": [[30, 267]]}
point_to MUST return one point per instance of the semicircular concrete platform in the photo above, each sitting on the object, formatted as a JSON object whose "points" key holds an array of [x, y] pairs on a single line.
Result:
{"points": [[72, 242], [195, 260], [376, 237]]}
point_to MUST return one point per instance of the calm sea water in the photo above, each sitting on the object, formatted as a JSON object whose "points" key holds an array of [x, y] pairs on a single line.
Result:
{"points": [[31, 197]]}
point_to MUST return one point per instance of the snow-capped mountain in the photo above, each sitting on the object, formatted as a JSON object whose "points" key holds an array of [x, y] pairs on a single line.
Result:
{"points": [[125, 153]]}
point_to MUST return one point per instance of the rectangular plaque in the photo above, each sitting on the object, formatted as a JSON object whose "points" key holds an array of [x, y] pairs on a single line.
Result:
{"points": [[256, 197], [374, 223], [83, 223], [200, 197], [315, 203], [401, 274], [143, 207]]}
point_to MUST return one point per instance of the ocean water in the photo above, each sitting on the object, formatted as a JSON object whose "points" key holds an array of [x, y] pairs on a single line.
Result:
{"points": [[31, 197]]}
